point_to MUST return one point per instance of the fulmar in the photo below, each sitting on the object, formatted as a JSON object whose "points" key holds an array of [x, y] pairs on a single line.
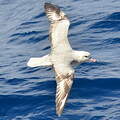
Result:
{"points": [[62, 56]]}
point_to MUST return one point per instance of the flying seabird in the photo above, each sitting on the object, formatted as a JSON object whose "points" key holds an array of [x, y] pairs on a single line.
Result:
{"points": [[62, 56]]}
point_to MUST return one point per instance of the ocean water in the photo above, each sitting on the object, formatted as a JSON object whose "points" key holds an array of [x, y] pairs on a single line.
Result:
{"points": [[29, 93]]}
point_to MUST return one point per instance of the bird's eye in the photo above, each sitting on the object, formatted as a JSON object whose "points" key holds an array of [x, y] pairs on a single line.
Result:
{"points": [[86, 56]]}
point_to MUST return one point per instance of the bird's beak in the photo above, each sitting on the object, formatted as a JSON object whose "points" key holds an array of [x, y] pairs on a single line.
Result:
{"points": [[92, 60]]}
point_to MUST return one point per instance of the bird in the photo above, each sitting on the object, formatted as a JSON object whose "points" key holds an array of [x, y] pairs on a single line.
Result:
{"points": [[61, 57]]}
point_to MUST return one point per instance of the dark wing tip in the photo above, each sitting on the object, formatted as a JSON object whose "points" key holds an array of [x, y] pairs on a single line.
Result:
{"points": [[51, 7], [48, 4], [52, 12]]}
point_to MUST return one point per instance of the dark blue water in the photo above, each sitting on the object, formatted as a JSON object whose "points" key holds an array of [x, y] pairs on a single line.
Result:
{"points": [[29, 93]]}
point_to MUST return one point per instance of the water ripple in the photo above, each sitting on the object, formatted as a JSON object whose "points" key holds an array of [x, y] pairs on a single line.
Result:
{"points": [[29, 93]]}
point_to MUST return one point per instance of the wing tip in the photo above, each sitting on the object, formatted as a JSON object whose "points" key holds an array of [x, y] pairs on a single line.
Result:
{"points": [[51, 6], [59, 111], [59, 114], [47, 4], [54, 12]]}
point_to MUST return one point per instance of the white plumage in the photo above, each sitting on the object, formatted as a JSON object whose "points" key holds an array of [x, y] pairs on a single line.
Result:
{"points": [[61, 56]]}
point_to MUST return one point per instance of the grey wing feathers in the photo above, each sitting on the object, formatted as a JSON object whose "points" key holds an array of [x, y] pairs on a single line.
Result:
{"points": [[64, 83], [53, 12]]}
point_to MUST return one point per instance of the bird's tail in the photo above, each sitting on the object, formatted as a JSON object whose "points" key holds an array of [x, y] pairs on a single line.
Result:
{"points": [[42, 61]]}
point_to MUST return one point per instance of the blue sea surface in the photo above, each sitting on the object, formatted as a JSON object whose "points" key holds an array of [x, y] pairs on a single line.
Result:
{"points": [[29, 93]]}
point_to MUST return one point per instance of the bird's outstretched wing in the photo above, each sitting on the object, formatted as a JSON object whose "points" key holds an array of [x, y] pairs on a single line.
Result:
{"points": [[59, 25], [64, 80]]}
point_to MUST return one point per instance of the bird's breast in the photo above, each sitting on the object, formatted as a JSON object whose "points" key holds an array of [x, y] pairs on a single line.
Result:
{"points": [[61, 57]]}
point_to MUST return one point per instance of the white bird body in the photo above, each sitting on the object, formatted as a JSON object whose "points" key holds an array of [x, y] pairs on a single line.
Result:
{"points": [[61, 56]]}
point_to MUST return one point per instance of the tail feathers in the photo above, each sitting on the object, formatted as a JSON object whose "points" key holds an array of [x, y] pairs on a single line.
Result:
{"points": [[42, 61]]}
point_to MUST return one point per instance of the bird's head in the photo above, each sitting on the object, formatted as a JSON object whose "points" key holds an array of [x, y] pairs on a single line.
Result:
{"points": [[83, 56]]}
